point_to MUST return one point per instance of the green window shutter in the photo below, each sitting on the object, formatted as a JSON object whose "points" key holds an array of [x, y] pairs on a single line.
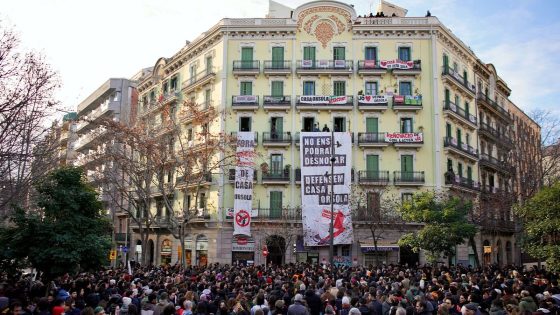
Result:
{"points": [[275, 204], [277, 57], [246, 57], [277, 88], [449, 165], [459, 137], [448, 130], [406, 163], [339, 53], [460, 169], [309, 53], [208, 65], [467, 109], [469, 173], [372, 163], [339, 88], [447, 96], [279, 125], [445, 62], [372, 124], [246, 88]]}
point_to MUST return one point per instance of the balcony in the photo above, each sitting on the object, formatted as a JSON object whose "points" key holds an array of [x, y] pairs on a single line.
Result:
{"points": [[277, 102], [276, 178], [452, 77], [323, 102], [497, 224], [461, 183], [403, 68], [460, 115], [500, 138], [195, 180], [273, 67], [87, 141], [231, 175], [199, 80], [325, 67], [408, 178], [243, 67], [494, 107], [373, 102], [277, 139], [268, 214], [162, 222], [245, 102], [377, 178], [407, 103], [200, 215], [488, 161], [202, 112], [370, 67], [372, 140], [405, 139], [104, 110], [451, 145]]}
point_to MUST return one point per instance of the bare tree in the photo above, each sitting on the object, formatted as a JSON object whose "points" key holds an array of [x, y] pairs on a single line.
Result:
{"points": [[549, 147], [376, 209], [27, 84]]}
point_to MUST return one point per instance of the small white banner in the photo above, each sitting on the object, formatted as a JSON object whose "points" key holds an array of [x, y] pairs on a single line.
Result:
{"points": [[373, 99], [243, 191], [245, 99], [396, 64], [398, 137]]}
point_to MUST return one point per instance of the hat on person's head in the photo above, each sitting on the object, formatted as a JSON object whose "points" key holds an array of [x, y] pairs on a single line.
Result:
{"points": [[354, 311], [98, 310], [206, 291], [298, 297], [471, 306], [345, 300], [112, 282]]}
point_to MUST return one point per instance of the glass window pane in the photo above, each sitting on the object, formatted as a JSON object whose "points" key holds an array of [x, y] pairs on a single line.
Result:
{"points": [[404, 53], [371, 88], [308, 88], [405, 88], [371, 53]]}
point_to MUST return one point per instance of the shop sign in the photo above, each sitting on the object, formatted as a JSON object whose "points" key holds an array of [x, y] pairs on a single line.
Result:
{"points": [[487, 249], [166, 248], [404, 137], [242, 244], [396, 64], [372, 99], [245, 99]]}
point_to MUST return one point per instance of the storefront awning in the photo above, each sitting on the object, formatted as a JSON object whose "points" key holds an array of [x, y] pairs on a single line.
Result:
{"points": [[370, 247]]}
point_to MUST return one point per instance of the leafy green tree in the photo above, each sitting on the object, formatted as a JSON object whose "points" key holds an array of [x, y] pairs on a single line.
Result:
{"points": [[445, 224], [67, 233], [541, 220]]}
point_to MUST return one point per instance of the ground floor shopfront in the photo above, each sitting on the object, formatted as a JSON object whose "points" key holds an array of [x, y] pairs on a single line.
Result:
{"points": [[205, 245]]}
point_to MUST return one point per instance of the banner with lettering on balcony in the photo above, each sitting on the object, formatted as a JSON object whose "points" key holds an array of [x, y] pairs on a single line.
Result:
{"points": [[316, 152], [245, 99], [396, 64], [400, 137], [372, 99], [323, 99], [407, 99], [243, 190]]}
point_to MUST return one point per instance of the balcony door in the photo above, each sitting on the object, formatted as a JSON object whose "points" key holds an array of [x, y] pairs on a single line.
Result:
{"points": [[247, 57], [275, 204], [277, 57], [372, 129], [276, 127], [372, 166], [276, 164], [407, 167]]}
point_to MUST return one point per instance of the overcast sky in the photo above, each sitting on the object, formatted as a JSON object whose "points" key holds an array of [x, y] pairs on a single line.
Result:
{"points": [[88, 42]]}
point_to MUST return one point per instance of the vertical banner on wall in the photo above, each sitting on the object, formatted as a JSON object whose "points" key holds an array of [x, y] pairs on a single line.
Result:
{"points": [[316, 153], [243, 191]]}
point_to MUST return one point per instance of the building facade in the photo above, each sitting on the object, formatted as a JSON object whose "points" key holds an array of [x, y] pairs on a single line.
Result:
{"points": [[113, 100], [423, 111]]}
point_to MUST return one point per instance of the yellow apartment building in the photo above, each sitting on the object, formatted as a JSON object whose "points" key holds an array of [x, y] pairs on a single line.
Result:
{"points": [[423, 111]]}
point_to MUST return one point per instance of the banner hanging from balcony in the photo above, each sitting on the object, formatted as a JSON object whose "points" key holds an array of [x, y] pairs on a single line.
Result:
{"points": [[372, 99], [396, 64], [243, 191], [316, 153], [321, 99], [411, 137]]}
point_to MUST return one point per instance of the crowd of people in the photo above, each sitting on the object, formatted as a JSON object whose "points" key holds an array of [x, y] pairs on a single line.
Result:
{"points": [[292, 289]]}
